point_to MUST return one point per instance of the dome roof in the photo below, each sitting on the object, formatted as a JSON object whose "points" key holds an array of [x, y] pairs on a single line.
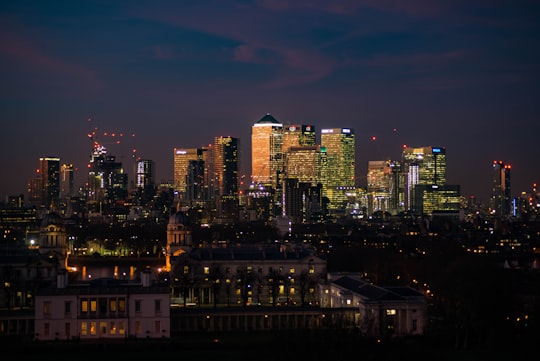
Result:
{"points": [[52, 218], [178, 217]]}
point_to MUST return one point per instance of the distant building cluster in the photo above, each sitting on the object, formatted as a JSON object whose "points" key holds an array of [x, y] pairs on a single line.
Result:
{"points": [[297, 174]]}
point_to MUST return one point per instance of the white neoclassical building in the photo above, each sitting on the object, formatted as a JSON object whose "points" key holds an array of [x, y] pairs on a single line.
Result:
{"points": [[395, 311], [100, 309]]}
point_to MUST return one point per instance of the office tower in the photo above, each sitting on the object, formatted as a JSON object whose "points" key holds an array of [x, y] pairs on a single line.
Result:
{"points": [[339, 175], [397, 188], [50, 180], [225, 170], [144, 175], [107, 182], [181, 159], [379, 185], [226, 163], [35, 190], [67, 187], [303, 201], [501, 199], [144, 180], [266, 151], [431, 162], [303, 163], [298, 135], [195, 194], [425, 166], [432, 199]]}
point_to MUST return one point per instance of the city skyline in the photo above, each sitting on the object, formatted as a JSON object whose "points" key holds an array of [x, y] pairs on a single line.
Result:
{"points": [[463, 76]]}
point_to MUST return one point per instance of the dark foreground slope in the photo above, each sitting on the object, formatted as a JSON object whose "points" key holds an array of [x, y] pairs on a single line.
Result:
{"points": [[261, 346]]}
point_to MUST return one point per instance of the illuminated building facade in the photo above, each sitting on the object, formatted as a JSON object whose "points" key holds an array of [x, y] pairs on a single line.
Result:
{"points": [[422, 166], [266, 151], [379, 185], [50, 180], [144, 179], [501, 198], [181, 159], [67, 188], [298, 135], [303, 163], [107, 182], [226, 153], [338, 177], [225, 171]]}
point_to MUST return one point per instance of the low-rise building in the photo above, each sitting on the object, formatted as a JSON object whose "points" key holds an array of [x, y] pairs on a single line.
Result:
{"points": [[395, 311], [104, 308]]}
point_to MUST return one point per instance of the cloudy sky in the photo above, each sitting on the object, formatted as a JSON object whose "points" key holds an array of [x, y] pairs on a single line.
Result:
{"points": [[464, 75]]}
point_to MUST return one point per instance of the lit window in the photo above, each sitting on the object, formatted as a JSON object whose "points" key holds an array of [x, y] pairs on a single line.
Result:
{"points": [[93, 328], [112, 304], [47, 308], [93, 305], [84, 306], [121, 305], [391, 312]]}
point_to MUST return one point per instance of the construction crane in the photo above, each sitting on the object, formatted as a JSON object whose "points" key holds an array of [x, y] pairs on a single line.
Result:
{"points": [[102, 140]]}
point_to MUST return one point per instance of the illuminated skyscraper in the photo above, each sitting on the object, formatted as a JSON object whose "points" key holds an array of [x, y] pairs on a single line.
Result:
{"points": [[303, 163], [225, 170], [379, 185], [266, 151], [226, 165], [50, 180], [501, 198], [181, 159], [144, 179], [423, 166], [339, 176], [67, 188], [298, 135]]}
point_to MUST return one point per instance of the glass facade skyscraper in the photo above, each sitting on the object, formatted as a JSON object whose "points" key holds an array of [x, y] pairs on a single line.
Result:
{"points": [[501, 199], [266, 151], [422, 166], [50, 180], [181, 159], [338, 144]]}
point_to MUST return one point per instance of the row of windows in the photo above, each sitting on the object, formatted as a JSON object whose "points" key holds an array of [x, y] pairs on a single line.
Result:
{"points": [[106, 328], [249, 269], [105, 305]]}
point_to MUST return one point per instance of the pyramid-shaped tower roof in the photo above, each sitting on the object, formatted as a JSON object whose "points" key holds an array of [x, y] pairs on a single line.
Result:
{"points": [[268, 119]]}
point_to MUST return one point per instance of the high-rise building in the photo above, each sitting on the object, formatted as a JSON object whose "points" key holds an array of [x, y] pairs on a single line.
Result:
{"points": [[50, 180], [295, 135], [107, 182], [181, 159], [225, 171], [424, 166], [144, 179], [501, 198], [266, 151], [338, 179], [226, 165], [67, 187], [379, 185], [303, 163]]}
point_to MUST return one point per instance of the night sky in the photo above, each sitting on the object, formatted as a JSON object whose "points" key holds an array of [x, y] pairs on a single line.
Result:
{"points": [[464, 75]]}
